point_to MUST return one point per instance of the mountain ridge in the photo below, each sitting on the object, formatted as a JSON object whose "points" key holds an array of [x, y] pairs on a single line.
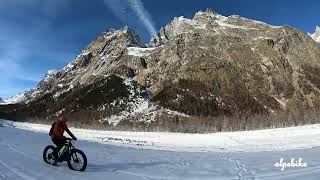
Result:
{"points": [[193, 70]]}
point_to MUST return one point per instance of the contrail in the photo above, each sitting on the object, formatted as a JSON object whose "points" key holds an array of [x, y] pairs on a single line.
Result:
{"points": [[144, 16], [137, 7]]}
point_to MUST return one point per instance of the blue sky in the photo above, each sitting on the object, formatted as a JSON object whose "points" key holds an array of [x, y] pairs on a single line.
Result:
{"points": [[38, 35]]}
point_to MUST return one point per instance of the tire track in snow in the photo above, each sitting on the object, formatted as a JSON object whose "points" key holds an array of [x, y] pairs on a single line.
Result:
{"points": [[16, 172], [16, 150], [313, 170], [243, 173], [53, 170]]}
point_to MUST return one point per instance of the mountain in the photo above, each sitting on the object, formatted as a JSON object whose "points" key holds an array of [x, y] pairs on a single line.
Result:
{"points": [[41, 89], [96, 85], [316, 34], [1, 100], [192, 76], [213, 64]]}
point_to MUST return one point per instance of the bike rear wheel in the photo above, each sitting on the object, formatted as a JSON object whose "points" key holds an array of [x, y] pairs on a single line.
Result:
{"points": [[77, 160], [48, 156]]}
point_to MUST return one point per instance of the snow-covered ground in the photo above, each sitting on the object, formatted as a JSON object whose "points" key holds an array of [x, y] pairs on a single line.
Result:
{"points": [[280, 139], [128, 155]]}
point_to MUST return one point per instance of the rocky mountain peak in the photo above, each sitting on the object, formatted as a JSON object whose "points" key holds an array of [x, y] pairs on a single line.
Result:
{"points": [[316, 34], [208, 14], [1, 100], [209, 22], [128, 35]]}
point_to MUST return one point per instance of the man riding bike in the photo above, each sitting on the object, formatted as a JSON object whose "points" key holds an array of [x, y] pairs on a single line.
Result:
{"points": [[56, 134]]}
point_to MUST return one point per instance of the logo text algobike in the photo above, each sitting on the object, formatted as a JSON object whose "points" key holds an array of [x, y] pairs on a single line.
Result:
{"points": [[293, 163]]}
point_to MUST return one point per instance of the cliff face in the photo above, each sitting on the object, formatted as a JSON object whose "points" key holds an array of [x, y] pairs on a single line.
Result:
{"points": [[207, 66], [240, 65]]}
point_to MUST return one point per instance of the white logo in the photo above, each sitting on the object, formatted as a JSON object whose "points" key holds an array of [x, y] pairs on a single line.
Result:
{"points": [[293, 163]]}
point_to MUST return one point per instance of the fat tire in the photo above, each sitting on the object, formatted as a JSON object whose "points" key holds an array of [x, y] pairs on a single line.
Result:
{"points": [[83, 156]]}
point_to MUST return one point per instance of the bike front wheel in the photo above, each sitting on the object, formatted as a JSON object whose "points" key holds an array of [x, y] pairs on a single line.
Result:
{"points": [[77, 160]]}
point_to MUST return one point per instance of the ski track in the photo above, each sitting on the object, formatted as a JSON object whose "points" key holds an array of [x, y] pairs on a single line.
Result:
{"points": [[14, 171], [21, 159]]}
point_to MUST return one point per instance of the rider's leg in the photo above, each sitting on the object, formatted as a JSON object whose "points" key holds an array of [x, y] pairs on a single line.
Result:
{"points": [[59, 143]]}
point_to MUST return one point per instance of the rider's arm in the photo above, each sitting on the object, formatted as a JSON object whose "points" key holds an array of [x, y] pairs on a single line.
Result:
{"points": [[68, 131]]}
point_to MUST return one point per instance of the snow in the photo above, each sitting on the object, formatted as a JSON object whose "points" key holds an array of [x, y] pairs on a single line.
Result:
{"points": [[316, 35], [138, 106], [170, 112], [193, 23], [24, 97], [21, 146], [21, 97], [30, 94], [71, 65], [139, 52], [280, 139], [222, 21], [61, 92], [50, 75], [282, 102], [254, 21]]}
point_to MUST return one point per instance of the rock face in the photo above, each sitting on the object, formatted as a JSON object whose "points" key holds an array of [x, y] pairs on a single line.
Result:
{"points": [[207, 66], [316, 34], [240, 65]]}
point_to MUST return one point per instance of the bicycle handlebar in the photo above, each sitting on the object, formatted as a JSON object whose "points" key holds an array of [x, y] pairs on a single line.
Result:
{"points": [[69, 139]]}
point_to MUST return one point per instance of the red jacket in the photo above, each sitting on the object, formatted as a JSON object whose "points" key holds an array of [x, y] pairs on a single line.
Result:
{"points": [[59, 129]]}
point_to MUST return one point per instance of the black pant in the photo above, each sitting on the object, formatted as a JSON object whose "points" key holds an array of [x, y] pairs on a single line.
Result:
{"points": [[59, 143]]}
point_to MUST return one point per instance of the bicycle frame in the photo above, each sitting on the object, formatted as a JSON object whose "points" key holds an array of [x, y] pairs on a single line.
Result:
{"points": [[63, 154]]}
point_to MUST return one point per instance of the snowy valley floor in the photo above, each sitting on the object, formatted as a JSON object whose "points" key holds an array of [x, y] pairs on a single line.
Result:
{"points": [[130, 156]]}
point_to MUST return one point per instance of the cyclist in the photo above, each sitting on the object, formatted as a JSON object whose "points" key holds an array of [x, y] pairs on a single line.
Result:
{"points": [[56, 133]]}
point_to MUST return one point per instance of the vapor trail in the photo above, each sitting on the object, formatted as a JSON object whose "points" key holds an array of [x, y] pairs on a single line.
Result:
{"points": [[143, 14], [117, 7]]}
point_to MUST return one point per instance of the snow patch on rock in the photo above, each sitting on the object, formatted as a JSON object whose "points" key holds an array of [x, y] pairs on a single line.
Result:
{"points": [[316, 35], [50, 75], [21, 97], [138, 107], [222, 22], [139, 52]]}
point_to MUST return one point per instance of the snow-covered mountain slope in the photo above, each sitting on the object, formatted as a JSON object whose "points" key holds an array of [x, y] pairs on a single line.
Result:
{"points": [[21, 97], [41, 89], [22, 160], [92, 63], [316, 34]]}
